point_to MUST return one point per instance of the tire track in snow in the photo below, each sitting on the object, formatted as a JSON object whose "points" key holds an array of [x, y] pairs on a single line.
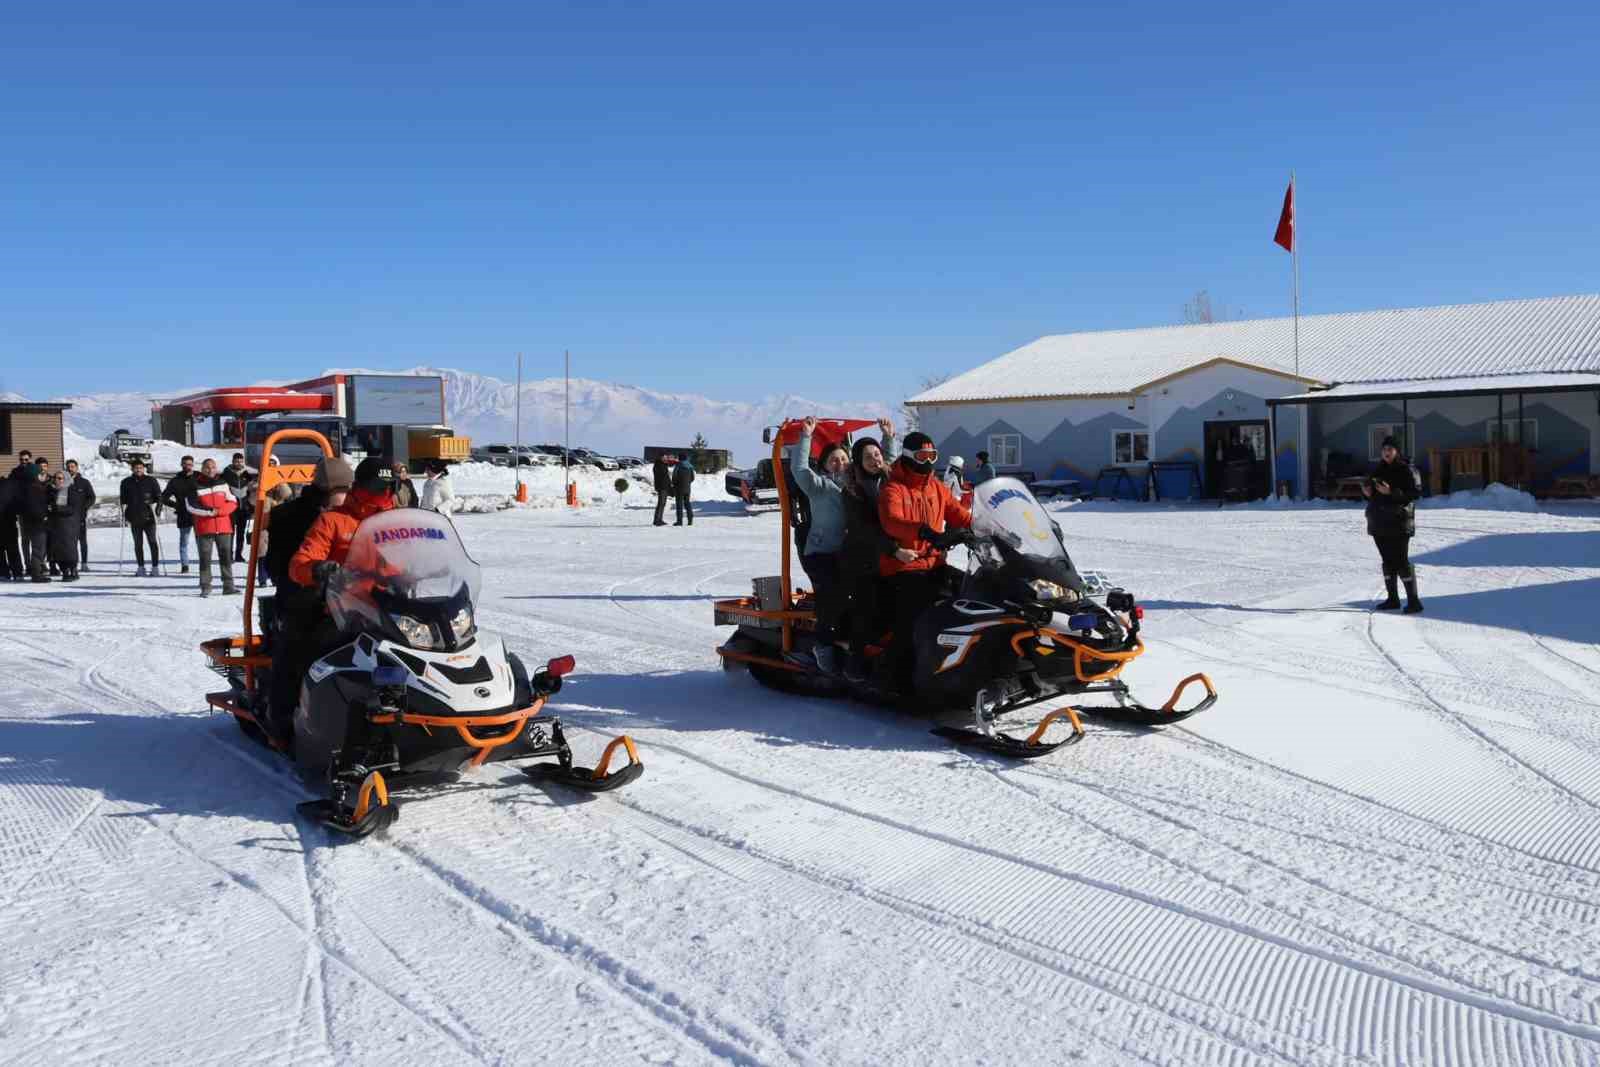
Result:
{"points": [[1562, 791], [1415, 961], [1193, 926], [544, 940]]}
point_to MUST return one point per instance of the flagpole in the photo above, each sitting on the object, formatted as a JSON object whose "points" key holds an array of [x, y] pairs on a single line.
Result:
{"points": [[1294, 201]]}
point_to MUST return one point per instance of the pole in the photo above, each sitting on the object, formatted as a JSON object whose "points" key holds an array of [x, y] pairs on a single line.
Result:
{"points": [[566, 447], [516, 451], [1294, 219]]}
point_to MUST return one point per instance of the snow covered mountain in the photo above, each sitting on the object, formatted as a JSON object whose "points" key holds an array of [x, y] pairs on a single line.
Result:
{"points": [[606, 416]]}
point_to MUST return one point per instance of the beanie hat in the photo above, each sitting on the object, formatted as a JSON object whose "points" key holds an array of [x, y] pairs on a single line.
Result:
{"points": [[374, 474], [914, 440], [333, 474], [1391, 442], [957, 462]]}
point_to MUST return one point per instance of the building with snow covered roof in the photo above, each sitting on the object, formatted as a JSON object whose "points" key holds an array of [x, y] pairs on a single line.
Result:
{"points": [[1508, 390]]}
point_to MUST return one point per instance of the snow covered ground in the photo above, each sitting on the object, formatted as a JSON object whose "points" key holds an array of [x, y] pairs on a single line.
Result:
{"points": [[1381, 846]]}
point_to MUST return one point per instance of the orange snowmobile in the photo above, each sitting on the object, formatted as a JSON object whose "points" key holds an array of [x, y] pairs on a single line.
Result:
{"points": [[1023, 628], [414, 691]]}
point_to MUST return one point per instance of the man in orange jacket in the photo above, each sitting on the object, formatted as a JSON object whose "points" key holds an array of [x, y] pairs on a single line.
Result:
{"points": [[328, 541], [311, 632], [915, 508]]}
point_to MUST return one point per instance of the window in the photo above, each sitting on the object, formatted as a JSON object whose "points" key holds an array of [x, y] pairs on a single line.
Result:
{"points": [[1512, 431], [1130, 446], [1377, 431], [1005, 449]]}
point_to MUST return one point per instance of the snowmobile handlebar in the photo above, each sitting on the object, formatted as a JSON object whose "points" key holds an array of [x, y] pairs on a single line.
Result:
{"points": [[949, 538]]}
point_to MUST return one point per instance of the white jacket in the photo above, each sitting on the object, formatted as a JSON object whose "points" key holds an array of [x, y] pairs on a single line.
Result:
{"points": [[437, 494]]}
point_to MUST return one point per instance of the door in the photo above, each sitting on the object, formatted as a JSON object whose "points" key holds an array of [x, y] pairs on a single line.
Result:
{"points": [[1237, 442]]}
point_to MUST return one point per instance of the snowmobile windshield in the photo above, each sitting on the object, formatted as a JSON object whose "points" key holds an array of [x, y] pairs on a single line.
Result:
{"points": [[1017, 534], [407, 573]]}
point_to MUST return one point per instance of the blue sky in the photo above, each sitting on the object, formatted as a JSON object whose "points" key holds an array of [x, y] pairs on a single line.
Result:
{"points": [[741, 199]]}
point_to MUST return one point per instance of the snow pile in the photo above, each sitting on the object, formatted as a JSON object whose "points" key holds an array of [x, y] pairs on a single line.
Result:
{"points": [[1492, 497]]}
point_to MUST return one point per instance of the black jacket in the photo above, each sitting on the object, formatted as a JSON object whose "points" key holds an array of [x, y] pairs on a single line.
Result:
{"points": [[33, 500], [141, 500], [287, 526], [243, 483], [662, 474], [1394, 514], [82, 497], [864, 539], [682, 479], [176, 496], [62, 521]]}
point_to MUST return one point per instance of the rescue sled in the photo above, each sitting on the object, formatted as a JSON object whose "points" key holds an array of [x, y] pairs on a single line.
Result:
{"points": [[1021, 629], [414, 692]]}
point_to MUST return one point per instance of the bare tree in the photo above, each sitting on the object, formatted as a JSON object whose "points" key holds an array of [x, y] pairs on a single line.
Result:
{"points": [[1199, 309], [908, 413]]}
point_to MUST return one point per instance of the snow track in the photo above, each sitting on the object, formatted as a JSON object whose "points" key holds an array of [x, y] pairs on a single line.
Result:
{"points": [[1382, 846]]}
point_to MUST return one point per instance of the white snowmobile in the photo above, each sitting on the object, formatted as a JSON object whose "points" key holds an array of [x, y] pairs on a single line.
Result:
{"points": [[417, 692]]}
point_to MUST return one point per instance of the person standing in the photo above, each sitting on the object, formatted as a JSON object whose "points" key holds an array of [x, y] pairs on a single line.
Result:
{"points": [[176, 496], [405, 491], [11, 519], [662, 474], [33, 513], [61, 520], [11, 565], [82, 499], [437, 492], [47, 476], [24, 461], [278, 494], [952, 477], [241, 482], [213, 505], [984, 470], [682, 482], [1391, 494], [140, 496]]}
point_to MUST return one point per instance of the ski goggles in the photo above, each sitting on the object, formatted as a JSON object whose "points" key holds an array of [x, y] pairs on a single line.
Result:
{"points": [[926, 454]]}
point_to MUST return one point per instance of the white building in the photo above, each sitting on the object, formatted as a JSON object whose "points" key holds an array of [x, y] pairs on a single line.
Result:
{"points": [[1448, 380]]}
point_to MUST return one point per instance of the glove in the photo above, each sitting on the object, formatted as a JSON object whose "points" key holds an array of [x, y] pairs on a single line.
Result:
{"points": [[948, 539], [324, 572]]}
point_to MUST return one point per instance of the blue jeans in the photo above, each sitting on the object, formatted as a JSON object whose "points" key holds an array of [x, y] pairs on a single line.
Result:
{"points": [[184, 533]]}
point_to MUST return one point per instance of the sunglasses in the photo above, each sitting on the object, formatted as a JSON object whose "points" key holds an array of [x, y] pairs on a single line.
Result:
{"points": [[927, 454]]}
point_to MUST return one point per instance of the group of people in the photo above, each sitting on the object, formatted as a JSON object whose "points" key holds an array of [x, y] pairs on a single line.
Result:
{"points": [[44, 517], [874, 547], [955, 474], [674, 477]]}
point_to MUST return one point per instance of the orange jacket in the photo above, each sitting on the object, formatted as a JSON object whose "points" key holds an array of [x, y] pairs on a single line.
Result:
{"points": [[330, 536], [909, 502]]}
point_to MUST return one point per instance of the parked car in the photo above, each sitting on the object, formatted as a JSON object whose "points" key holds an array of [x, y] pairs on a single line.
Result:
{"points": [[500, 456], [126, 446], [594, 459]]}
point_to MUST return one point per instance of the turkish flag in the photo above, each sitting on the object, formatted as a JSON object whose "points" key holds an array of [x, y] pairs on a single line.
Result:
{"points": [[1285, 234]]}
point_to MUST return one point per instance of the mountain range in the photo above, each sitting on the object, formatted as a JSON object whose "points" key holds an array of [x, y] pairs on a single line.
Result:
{"points": [[605, 416]]}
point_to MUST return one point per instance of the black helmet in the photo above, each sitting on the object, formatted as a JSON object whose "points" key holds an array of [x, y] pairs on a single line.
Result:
{"points": [[919, 453], [375, 475]]}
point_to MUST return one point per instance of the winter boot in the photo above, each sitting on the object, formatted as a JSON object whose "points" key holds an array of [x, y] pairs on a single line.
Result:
{"points": [[827, 658], [140, 572], [1413, 601], [1392, 584], [184, 569]]}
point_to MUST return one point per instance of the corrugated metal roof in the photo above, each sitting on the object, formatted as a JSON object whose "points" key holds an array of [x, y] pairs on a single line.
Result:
{"points": [[1492, 383], [1549, 335]]}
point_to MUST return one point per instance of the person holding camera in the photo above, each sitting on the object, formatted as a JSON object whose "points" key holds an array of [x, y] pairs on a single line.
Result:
{"points": [[1391, 494]]}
